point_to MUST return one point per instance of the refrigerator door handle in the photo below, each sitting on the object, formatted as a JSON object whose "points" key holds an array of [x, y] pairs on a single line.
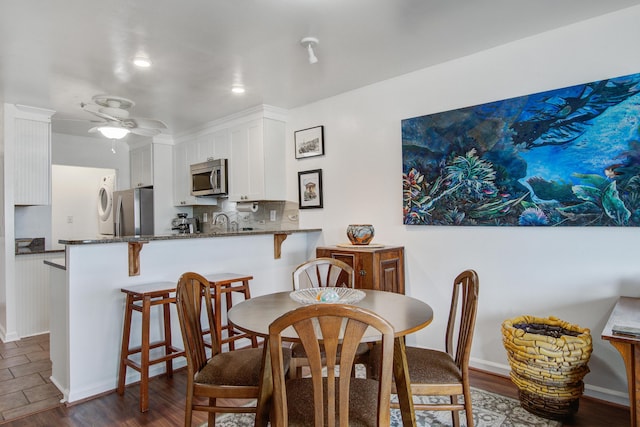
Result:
{"points": [[118, 216]]}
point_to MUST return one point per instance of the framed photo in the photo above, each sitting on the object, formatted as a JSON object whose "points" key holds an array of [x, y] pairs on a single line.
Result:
{"points": [[309, 142], [310, 189]]}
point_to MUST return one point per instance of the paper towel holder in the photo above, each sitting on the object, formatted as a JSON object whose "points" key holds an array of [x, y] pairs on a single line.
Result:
{"points": [[247, 207]]}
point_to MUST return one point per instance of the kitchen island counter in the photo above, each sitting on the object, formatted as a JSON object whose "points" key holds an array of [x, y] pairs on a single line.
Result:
{"points": [[86, 331]]}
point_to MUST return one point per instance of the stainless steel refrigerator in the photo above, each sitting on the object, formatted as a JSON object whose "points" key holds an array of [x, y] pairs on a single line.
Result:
{"points": [[133, 212]]}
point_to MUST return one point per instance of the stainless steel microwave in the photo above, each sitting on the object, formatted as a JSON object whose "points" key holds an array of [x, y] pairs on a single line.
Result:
{"points": [[209, 178]]}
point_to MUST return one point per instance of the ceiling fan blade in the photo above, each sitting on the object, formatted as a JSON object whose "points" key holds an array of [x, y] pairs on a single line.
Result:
{"points": [[143, 122], [99, 114], [70, 119], [113, 101], [145, 132]]}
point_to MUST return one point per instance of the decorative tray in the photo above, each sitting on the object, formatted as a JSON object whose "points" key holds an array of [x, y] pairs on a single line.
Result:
{"points": [[327, 295]]}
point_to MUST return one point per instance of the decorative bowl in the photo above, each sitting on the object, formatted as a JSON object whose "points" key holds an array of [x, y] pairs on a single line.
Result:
{"points": [[327, 296], [360, 234]]}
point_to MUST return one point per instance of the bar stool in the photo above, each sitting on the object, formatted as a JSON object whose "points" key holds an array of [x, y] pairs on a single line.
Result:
{"points": [[225, 284], [141, 298]]}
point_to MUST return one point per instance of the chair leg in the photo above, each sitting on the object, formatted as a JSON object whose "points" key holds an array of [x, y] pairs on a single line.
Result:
{"points": [[167, 337], [188, 410], [212, 415], [144, 355], [124, 351], [454, 414], [229, 328], [468, 407], [247, 295]]}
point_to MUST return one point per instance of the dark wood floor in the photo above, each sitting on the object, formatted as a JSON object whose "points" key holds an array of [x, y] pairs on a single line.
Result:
{"points": [[25, 369], [166, 407]]}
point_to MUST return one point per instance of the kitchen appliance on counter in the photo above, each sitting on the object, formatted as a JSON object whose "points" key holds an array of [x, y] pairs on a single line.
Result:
{"points": [[184, 225], [209, 178], [133, 212]]}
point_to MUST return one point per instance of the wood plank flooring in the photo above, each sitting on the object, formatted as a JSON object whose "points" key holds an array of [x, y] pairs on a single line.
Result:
{"points": [[166, 397], [25, 369]]}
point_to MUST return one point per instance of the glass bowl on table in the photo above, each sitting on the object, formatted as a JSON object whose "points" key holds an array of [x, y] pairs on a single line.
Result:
{"points": [[335, 295]]}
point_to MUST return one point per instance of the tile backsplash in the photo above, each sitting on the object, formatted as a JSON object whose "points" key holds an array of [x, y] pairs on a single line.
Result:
{"points": [[271, 215]]}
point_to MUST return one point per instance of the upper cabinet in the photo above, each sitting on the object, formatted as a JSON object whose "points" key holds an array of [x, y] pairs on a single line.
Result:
{"points": [[28, 132], [257, 163], [253, 143], [141, 166], [183, 156], [214, 145]]}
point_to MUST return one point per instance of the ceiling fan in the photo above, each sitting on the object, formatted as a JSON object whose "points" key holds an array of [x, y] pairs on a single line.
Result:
{"points": [[115, 121]]}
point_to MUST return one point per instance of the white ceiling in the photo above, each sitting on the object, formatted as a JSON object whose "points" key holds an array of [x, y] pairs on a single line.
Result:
{"points": [[57, 54]]}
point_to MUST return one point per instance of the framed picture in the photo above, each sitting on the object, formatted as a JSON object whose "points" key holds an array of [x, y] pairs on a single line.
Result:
{"points": [[309, 142], [310, 189]]}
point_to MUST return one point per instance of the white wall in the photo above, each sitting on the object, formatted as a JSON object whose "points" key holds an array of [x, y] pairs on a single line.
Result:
{"points": [[576, 274], [73, 150], [74, 193]]}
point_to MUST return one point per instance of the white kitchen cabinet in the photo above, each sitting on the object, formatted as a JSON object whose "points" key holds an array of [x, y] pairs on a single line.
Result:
{"points": [[184, 155], [32, 179], [141, 166], [214, 145], [32, 294], [257, 162]]}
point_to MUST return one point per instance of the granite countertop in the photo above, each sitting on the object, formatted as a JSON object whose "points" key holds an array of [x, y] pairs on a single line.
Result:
{"points": [[125, 239]]}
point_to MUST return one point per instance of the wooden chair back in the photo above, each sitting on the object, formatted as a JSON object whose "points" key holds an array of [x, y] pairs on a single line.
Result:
{"points": [[323, 272], [193, 294], [462, 318], [338, 329]]}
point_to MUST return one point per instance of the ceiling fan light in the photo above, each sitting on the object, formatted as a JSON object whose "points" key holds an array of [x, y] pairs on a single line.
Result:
{"points": [[113, 132], [142, 62]]}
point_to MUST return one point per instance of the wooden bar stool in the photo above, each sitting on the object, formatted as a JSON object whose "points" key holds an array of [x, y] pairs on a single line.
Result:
{"points": [[223, 284], [141, 298]]}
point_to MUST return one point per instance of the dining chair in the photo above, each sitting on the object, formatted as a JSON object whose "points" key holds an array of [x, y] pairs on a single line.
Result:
{"points": [[331, 397], [322, 273], [446, 373], [222, 375]]}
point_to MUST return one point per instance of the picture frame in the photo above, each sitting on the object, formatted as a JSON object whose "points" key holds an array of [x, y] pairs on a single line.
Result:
{"points": [[309, 142], [310, 189]]}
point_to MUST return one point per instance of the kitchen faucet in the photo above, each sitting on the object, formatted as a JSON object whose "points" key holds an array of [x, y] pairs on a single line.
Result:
{"points": [[225, 220]]}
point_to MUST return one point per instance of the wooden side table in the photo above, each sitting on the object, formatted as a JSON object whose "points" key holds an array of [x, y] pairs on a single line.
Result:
{"points": [[376, 267], [627, 313]]}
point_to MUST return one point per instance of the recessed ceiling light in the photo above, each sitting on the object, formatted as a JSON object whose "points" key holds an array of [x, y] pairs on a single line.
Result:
{"points": [[237, 89], [142, 62]]}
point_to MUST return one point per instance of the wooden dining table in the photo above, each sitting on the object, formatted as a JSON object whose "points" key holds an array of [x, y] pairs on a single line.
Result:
{"points": [[406, 315]]}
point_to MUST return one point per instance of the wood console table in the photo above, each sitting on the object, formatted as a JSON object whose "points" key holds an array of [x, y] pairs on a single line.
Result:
{"points": [[627, 313], [379, 268]]}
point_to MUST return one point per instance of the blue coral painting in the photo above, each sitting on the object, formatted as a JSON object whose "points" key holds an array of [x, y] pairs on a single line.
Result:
{"points": [[566, 157]]}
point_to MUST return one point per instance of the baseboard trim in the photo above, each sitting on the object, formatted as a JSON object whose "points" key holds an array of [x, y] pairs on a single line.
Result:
{"points": [[99, 389]]}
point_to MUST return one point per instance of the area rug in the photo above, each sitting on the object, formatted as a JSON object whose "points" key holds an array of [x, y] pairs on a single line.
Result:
{"points": [[489, 410]]}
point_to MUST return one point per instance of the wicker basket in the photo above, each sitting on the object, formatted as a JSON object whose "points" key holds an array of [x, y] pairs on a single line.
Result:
{"points": [[548, 359]]}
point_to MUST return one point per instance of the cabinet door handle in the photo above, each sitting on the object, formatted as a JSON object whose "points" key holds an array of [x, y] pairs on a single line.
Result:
{"points": [[363, 272]]}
